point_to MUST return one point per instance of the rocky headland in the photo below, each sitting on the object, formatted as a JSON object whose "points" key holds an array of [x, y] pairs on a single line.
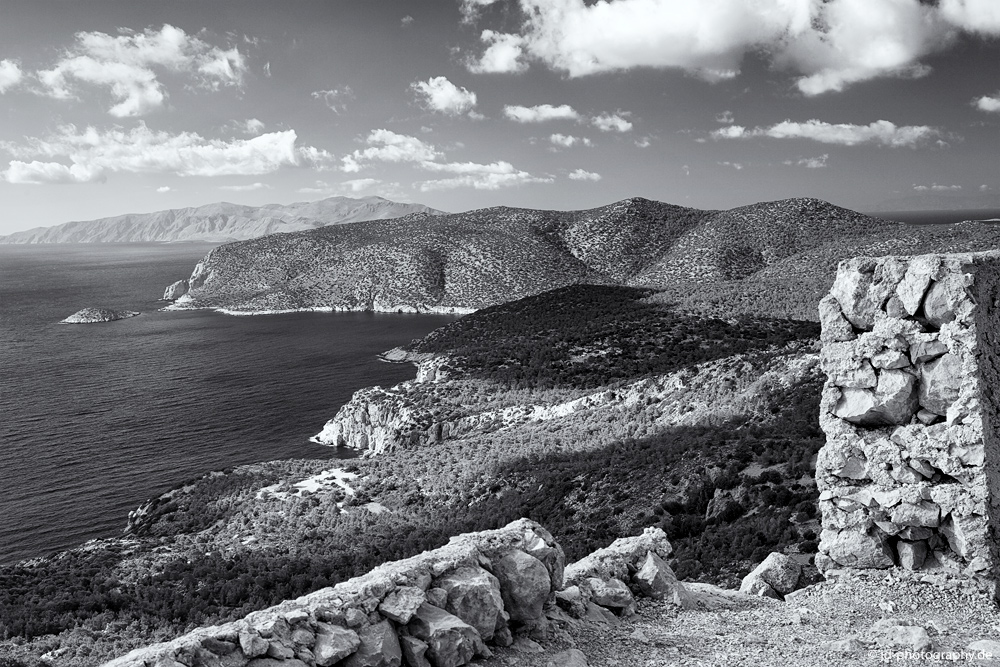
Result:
{"points": [[221, 222], [95, 315]]}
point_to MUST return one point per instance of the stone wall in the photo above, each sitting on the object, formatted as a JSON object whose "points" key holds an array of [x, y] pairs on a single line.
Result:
{"points": [[441, 608], [909, 472]]}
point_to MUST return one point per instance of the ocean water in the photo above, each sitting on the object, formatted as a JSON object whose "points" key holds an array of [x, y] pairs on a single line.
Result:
{"points": [[96, 418]]}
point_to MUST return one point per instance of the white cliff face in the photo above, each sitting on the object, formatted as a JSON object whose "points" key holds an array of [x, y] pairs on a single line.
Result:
{"points": [[175, 290], [909, 474]]}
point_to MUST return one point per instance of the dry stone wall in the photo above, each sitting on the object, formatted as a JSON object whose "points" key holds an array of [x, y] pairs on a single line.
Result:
{"points": [[441, 608], [909, 472]]}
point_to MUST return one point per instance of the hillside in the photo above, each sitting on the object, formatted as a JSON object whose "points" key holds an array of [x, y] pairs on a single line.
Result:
{"points": [[221, 222], [772, 258], [706, 429]]}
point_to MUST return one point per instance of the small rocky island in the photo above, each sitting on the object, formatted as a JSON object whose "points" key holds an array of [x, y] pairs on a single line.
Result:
{"points": [[92, 315]]}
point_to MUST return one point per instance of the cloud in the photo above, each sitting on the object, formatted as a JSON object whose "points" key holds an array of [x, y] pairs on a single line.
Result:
{"points": [[566, 141], [491, 176], [388, 146], [335, 99], [828, 45], [809, 162], [164, 188], [581, 175], [359, 184], [406, 21], [441, 95], [93, 154], [724, 117], [127, 66], [989, 104], [984, 188], [10, 75], [880, 132], [540, 113], [735, 165], [612, 122], [934, 187], [644, 142], [503, 55], [251, 126], [245, 188]]}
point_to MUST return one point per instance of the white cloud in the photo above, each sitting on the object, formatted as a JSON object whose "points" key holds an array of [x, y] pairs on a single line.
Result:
{"points": [[540, 113], [686, 169], [406, 21], [984, 188], [725, 117], [581, 175], [987, 103], [503, 55], [251, 126], [124, 64], [93, 154], [164, 188], [644, 142], [441, 95], [880, 132], [828, 44], [335, 99], [934, 187], [567, 141], [359, 184], [735, 165], [613, 122], [10, 75], [491, 176], [388, 146], [809, 162], [250, 187]]}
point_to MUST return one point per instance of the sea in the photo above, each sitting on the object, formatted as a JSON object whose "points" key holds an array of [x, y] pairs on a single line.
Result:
{"points": [[96, 418]]}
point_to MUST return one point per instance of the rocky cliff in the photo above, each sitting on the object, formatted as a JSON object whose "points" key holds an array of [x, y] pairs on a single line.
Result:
{"points": [[221, 222], [467, 261]]}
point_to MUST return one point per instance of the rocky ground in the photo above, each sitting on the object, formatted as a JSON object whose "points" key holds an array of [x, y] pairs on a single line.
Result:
{"points": [[853, 618]]}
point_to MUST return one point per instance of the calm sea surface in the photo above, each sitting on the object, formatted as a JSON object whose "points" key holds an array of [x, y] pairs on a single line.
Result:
{"points": [[95, 418]]}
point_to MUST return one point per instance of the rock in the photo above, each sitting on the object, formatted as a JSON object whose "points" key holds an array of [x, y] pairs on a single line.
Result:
{"points": [[619, 560], [910, 637], [524, 585], [278, 651], [960, 533], [175, 290], [355, 618], [915, 533], [755, 585], [252, 644], [916, 279], [571, 599], [990, 646], [849, 644], [600, 615], [437, 597], [862, 290], [527, 645], [655, 579], [96, 315], [927, 417], [401, 604], [943, 299], [835, 327], [924, 513], [276, 662], [414, 652], [911, 554], [334, 643], [851, 548], [926, 350], [893, 401], [573, 657], [379, 647], [612, 594], [890, 359], [853, 468], [779, 571], [473, 596], [218, 646], [450, 640], [940, 383], [841, 363]]}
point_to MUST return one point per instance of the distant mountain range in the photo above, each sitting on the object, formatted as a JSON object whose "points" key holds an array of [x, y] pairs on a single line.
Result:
{"points": [[941, 201], [221, 222], [465, 261]]}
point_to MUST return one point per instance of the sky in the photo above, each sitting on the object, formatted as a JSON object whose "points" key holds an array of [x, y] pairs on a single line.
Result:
{"points": [[112, 107]]}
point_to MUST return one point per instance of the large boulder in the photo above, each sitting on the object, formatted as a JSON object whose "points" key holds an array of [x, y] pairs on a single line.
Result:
{"points": [[656, 580], [853, 548], [379, 647], [863, 291], [450, 640], [473, 596], [402, 603], [611, 594], [334, 643], [835, 326], [779, 571], [524, 584]]}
